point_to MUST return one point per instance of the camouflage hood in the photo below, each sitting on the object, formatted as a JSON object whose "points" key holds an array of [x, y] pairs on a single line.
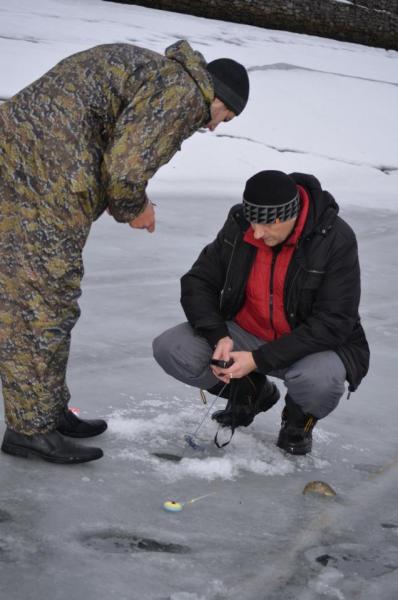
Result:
{"points": [[195, 64]]}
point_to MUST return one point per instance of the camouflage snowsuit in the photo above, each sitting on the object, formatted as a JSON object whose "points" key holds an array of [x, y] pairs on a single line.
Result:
{"points": [[85, 136]]}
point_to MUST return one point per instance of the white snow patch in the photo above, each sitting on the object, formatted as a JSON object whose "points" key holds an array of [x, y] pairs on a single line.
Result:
{"points": [[154, 403], [323, 436], [247, 452], [186, 596], [136, 455], [138, 429], [215, 589], [227, 467], [309, 462], [325, 582]]}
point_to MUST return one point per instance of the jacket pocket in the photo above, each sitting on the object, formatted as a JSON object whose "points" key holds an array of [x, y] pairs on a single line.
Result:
{"points": [[313, 280], [309, 287]]}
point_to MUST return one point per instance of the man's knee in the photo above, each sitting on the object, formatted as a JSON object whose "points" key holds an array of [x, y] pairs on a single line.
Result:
{"points": [[317, 386], [325, 399], [162, 347], [180, 353], [317, 400]]}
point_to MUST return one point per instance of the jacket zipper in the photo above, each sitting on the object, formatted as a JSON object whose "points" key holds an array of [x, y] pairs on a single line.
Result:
{"points": [[290, 292], [228, 268], [271, 293]]}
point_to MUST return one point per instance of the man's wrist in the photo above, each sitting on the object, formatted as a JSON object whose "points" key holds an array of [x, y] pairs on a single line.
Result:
{"points": [[213, 336], [226, 338]]}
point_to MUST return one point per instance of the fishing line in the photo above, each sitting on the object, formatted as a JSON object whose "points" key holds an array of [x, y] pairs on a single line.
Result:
{"points": [[189, 438]]}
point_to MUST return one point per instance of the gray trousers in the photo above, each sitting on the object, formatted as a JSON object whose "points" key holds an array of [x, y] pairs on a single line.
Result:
{"points": [[315, 382]]}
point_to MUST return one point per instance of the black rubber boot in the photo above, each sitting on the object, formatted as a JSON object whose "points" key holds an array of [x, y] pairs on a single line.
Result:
{"points": [[48, 446], [71, 426], [247, 397], [220, 389], [295, 436]]}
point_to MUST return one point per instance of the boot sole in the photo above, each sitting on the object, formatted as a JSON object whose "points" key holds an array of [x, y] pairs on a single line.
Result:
{"points": [[81, 435], [26, 452], [294, 450]]}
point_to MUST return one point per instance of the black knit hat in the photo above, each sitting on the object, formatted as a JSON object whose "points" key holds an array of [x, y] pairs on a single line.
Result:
{"points": [[270, 197], [231, 83]]}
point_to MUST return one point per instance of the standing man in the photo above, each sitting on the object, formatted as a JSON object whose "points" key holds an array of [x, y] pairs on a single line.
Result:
{"points": [[276, 293], [85, 137]]}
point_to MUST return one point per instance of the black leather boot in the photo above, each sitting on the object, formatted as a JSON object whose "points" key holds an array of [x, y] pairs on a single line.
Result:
{"points": [[220, 389], [49, 446], [70, 425], [295, 436], [247, 397]]}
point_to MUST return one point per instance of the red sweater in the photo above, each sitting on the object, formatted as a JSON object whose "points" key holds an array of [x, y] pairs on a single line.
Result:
{"points": [[263, 313]]}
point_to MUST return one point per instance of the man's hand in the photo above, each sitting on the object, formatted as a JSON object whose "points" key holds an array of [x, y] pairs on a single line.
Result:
{"points": [[146, 219], [243, 365], [222, 352]]}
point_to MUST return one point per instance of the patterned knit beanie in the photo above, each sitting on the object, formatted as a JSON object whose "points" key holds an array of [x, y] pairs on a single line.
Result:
{"points": [[270, 197]]}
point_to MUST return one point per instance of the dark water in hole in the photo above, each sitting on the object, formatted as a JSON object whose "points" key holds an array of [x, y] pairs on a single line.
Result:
{"points": [[167, 456], [4, 516], [357, 559], [389, 525], [117, 542]]}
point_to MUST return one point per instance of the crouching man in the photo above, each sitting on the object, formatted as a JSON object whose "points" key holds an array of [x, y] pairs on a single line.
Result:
{"points": [[276, 293]]}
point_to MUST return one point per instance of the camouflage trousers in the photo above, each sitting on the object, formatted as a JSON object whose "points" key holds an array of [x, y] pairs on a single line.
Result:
{"points": [[41, 243]]}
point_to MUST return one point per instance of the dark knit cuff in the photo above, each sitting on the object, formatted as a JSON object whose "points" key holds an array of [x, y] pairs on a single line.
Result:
{"points": [[214, 335], [261, 362]]}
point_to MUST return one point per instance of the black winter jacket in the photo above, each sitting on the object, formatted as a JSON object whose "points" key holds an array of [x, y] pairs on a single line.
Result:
{"points": [[321, 295]]}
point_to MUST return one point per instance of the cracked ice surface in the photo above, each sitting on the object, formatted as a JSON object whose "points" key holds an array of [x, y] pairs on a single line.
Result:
{"points": [[98, 531]]}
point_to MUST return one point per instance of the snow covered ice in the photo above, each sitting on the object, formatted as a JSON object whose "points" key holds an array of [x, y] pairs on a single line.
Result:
{"points": [[98, 531]]}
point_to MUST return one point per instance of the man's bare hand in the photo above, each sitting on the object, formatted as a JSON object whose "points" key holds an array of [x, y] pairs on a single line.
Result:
{"points": [[243, 365], [222, 352], [146, 219]]}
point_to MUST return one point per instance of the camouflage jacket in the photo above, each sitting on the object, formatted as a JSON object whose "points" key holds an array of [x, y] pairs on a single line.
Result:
{"points": [[101, 122]]}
